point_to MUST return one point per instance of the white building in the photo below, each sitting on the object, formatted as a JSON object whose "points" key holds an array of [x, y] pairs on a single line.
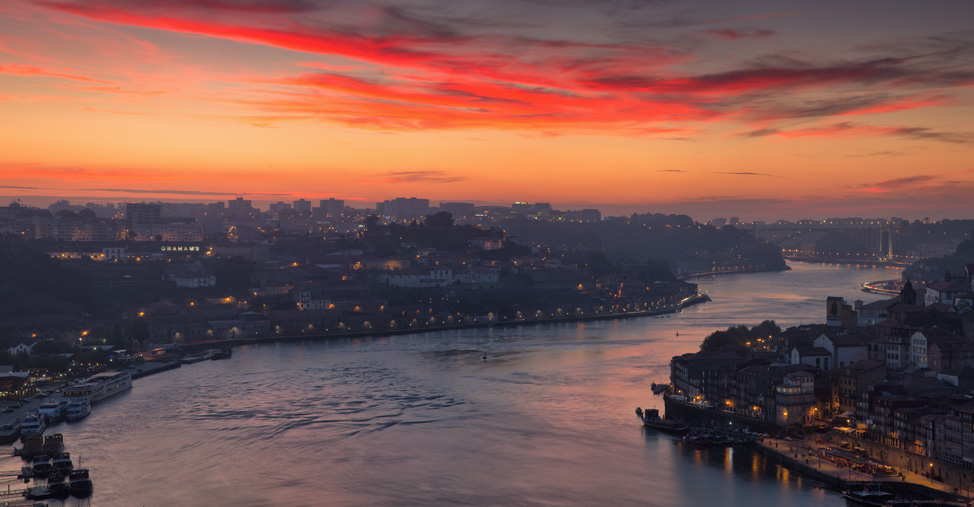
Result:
{"points": [[431, 278], [478, 275], [845, 349], [172, 232], [310, 298], [918, 350], [191, 280], [20, 348]]}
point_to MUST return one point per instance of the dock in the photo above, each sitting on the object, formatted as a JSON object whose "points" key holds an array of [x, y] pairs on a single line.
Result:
{"points": [[41, 487]]}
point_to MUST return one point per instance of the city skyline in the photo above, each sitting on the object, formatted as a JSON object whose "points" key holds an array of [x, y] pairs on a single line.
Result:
{"points": [[767, 111]]}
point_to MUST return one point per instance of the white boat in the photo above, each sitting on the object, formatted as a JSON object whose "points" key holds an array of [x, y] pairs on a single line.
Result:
{"points": [[34, 424], [78, 408], [100, 386], [53, 410]]}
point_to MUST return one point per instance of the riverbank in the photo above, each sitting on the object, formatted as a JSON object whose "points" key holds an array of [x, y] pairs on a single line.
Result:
{"points": [[807, 455], [732, 271], [652, 312], [849, 262], [884, 287], [392, 414]]}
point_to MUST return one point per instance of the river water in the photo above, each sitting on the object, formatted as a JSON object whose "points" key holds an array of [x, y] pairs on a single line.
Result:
{"points": [[422, 419]]}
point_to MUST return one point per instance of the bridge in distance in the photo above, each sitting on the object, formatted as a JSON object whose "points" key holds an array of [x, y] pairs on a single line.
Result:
{"points": [[876, 236]]}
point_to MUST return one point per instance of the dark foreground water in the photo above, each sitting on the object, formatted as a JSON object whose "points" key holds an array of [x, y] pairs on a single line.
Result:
{"points": [[423, 420]]}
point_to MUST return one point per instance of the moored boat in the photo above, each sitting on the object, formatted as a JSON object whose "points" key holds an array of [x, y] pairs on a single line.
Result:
{"points": [[33, 444], [54, 410], [34, 424], [869, 495], [62, 463], [707, 439], [58, 489], [9, 433], [651, 419], [37, 493], [100, 386], [78, 408], [42, 465], [79, 483], [223, 354], [53, 444]]}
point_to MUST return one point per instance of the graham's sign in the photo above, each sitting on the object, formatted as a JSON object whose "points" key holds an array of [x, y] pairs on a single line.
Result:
{"points": [[180, 249]]}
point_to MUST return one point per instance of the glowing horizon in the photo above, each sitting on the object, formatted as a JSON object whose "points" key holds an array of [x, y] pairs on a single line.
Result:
{"points": [[773, 110]]}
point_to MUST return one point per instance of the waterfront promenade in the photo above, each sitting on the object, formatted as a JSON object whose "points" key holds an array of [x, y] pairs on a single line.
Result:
{"points": [[803, 456], [650, 312], [16, 415]]}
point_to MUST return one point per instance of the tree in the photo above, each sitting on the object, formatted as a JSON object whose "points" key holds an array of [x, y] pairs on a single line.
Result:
{"points": [[50, 347], [767, 328], [233, 273], [740, 335], [116, 336], [140, 332], [371, 221], [87, 215], [439, 220]]}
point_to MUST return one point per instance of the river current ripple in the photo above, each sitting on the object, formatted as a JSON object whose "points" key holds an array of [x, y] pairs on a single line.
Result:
{"points": [[423, 419]]}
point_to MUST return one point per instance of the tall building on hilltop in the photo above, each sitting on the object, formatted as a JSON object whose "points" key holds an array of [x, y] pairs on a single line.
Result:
{"points": [[330, 208], [240, 209], [403, 209], [277, 207], [302, 206], [142, 213]]}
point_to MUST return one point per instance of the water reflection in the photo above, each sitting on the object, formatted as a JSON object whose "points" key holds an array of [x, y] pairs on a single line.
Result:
{"points": [[423, 420]]}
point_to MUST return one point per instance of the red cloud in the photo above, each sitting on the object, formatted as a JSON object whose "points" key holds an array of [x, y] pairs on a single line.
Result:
{"points": [[410, 72], [29, 70], [739, 33]]}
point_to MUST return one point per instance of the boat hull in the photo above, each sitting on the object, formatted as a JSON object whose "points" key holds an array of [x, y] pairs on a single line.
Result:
{"points": [[665, 427]]}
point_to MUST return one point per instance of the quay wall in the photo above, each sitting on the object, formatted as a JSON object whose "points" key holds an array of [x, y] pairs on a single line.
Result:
{"points": [[676, 307], [829, 260], [794, 462], [951, 475], [698, 416], [151, 367], [799, 460]]}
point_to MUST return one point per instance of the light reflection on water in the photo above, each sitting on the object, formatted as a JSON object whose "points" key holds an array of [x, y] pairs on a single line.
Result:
{"points": [[423, 419]]}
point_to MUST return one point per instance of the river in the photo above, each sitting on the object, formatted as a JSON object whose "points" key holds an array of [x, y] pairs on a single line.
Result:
{"points": [[423, 419]]}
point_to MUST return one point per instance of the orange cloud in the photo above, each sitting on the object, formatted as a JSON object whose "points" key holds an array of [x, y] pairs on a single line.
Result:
{"points": [[30, 71]]}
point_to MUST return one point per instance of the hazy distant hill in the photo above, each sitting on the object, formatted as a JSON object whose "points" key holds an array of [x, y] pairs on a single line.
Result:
{"points": [[670, 237], [33, 283]]}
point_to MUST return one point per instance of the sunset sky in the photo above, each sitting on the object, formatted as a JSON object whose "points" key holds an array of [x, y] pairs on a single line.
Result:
{"points": [[762, 109]]}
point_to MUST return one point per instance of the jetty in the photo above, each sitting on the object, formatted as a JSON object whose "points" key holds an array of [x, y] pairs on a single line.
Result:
{"points": [[59, 482]]}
